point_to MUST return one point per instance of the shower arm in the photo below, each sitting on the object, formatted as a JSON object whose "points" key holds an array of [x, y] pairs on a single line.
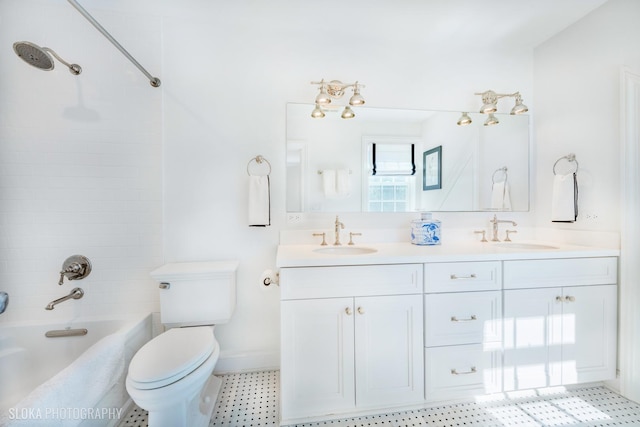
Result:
{"points": [[74, 68], [154, 81]]}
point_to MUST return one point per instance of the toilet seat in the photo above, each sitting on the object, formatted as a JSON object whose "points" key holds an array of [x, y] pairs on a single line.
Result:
{"points": [[171, 356]]}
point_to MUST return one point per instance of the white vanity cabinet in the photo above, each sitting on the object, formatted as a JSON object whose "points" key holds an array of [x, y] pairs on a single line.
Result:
{"points": [[463, 329], [351, 339], [559, 321], [409, 325]]}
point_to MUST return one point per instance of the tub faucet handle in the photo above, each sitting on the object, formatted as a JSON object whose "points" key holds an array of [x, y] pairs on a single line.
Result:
{"points": [[4, 301], [75, 267]]}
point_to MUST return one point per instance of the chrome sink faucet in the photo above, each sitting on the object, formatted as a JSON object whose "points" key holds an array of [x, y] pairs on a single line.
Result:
{"points": [[339, 226], [494, 225]]}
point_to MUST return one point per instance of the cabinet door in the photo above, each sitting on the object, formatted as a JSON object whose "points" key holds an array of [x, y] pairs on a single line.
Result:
{"points": [[589, 333], [317, 357], [532, 338], [389, 350]]}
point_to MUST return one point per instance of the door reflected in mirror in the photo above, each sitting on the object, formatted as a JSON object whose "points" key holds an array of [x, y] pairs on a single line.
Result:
{"points": [[375, 162]]}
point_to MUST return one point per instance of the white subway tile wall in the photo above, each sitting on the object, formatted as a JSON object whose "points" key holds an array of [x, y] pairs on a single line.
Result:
{"points": [[80, 163]]}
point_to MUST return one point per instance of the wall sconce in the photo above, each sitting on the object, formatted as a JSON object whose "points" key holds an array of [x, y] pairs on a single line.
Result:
{"points": [[490, 102], [464, 119], [335, 89]]}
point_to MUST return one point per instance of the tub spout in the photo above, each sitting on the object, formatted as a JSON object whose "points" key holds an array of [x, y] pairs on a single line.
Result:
{"points": [[76, 293]]}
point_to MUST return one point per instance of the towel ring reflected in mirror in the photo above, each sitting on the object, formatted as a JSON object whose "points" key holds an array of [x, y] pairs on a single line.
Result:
{"points": [[571, 158], [259, 160], [497, 172]]}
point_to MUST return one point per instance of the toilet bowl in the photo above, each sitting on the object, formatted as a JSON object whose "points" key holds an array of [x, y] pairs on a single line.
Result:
{"points": [[170, 377]]}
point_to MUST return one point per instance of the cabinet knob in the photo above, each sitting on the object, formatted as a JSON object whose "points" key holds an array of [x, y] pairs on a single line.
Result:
{"points": [[559, 299], [569, 298], [348, 311], [360, 310]]}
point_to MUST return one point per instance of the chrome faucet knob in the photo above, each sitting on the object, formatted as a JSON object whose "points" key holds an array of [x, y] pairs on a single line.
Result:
{"points": [[4, 301], [75, 267], [351, 234]]}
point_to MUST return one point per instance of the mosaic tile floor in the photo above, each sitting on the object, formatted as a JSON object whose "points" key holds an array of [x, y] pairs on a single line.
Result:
{"points": [[251, 400]]}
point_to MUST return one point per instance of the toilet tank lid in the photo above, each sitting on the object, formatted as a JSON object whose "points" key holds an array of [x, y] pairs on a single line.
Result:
{"points": [[195, 270]]}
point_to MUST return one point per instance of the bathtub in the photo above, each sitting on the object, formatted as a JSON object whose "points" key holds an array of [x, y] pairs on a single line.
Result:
{"points": [[36, 372]]}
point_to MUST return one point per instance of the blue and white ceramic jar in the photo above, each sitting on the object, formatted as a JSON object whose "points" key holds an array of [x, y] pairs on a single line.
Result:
{"points": [[425, 231]]}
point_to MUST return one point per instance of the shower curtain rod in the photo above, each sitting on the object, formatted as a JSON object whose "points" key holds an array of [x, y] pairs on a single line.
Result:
{"points": [[154, 81]]}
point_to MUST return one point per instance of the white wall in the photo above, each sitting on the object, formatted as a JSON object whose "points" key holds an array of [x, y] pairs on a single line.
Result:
{"points": [[577, 79], [80, 162], [229, 70], [138, 176], [577, 97]]}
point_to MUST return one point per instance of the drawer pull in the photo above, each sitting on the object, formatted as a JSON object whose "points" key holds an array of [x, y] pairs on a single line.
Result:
{"points": [[348, 311], [472, 371], [471, 319], [471, 276]]}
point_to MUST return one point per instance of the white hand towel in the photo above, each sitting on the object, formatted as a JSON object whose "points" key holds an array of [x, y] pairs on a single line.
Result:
{"points": [[329, 183], [500, 197], [342, 183], [259, 201], [564, 201]]}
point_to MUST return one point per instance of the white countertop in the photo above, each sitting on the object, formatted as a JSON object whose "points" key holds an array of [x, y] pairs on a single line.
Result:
{"points": [[303, 255]]}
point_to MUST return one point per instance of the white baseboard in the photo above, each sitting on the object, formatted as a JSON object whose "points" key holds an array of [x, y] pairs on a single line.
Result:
{"points": [[247, 361]]}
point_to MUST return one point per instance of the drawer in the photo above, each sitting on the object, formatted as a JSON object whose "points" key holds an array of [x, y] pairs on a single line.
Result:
{"points": [[546, 273], [345, 281], [462, 371], [462, 276], [462, 318]]}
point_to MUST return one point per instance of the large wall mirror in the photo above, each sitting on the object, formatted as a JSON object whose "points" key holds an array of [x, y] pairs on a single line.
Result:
{"points": [[391, 160]]}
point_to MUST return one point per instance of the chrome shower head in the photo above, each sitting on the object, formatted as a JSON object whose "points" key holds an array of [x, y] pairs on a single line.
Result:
{"points": [[40, 57]]}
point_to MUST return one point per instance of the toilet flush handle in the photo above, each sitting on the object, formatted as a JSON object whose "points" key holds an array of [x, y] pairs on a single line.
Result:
{"points": [[165, 285]]}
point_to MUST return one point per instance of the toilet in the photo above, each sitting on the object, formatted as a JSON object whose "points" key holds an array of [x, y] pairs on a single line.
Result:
{"points": [[171, 375]]}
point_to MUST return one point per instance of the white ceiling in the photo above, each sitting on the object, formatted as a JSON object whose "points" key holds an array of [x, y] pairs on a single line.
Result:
{"points": [[519, 24], [516, 24]]}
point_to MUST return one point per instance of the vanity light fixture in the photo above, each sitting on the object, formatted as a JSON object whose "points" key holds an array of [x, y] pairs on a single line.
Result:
{"points": [[490, 102], [335, 89], [491, 120], [464, 119]]}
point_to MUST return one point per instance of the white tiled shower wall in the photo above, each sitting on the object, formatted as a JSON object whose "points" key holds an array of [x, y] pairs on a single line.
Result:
{"points": [[80, 162]]}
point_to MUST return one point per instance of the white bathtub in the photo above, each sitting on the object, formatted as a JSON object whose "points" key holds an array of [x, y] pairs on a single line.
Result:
{"points": [[34, 365]]}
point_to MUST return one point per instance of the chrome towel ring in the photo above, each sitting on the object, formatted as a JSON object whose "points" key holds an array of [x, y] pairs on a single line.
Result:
{"points": [[259, 160], [571, 158]]}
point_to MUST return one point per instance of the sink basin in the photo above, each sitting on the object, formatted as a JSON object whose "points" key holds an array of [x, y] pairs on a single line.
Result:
{"points": [[345, 250], [511, 245]]}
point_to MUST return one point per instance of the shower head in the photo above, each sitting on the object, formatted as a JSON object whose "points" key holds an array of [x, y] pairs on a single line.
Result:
{"points": [[41, 57]]}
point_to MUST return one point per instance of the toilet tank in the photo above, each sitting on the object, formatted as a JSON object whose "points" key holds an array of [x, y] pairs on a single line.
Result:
{"points": [[196, 293]]}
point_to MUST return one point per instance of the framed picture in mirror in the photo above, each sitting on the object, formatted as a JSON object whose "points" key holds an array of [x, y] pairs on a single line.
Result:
{"points": [[432, 169]]}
